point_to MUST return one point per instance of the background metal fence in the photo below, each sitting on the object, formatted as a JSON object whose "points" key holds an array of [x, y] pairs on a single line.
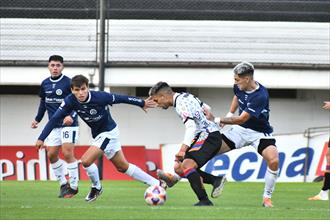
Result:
{"points": [[166, 32]]}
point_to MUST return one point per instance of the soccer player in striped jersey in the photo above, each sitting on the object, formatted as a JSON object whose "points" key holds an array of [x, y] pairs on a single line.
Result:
{"points": [[93, 108], [202, 141], [65, 133]]}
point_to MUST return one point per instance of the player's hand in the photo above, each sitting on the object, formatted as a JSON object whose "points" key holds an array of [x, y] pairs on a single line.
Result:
{"points": [[149, 103], [208, 114], [34, 124], [40, 144], [180, 155], [326, 105], [68, 120]]}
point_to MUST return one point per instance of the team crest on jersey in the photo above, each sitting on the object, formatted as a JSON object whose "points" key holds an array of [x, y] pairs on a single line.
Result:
{"points": [[93, 112], [59, 92]]}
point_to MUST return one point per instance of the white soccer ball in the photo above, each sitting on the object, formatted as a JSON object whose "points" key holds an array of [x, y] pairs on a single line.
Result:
{"points": [[155, 195]]}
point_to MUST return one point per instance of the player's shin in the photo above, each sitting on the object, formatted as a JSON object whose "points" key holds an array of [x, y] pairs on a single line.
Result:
{"points": [[195, 182], [207, 178], [73, 174], [270, 181], [93, 174], [59, 171], [140, 175]]}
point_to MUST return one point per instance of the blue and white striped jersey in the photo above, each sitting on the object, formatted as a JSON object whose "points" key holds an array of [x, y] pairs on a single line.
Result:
{"points": [[52, 94], [188, 107], [256, 103], [94, 111]]}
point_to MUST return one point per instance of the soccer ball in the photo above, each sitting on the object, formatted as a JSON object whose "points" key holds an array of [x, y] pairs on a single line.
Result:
{"points": [[155, 195]]}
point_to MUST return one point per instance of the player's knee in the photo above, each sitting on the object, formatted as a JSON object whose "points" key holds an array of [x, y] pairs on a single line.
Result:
{"points": [[85, 162], [188, 164], [53, 157], [68, 156], [273, 163], [178, 170], [122, 167]]}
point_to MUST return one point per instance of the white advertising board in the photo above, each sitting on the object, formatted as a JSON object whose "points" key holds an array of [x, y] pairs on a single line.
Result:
{"points": [[296, 159]]}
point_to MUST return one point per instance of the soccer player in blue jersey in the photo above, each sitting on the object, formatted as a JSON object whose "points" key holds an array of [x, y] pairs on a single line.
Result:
{"points": [[93, 108], [65, 133], [201, 142], [251, 126]]}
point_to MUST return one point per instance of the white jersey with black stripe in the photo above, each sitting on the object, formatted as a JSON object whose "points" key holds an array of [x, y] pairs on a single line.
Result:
{"points": [[188, 107]]}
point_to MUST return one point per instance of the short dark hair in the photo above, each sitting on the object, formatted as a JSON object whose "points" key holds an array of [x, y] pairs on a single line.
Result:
{"points": [[244, 68], [160, 86], [78, 81], [56, 58]]}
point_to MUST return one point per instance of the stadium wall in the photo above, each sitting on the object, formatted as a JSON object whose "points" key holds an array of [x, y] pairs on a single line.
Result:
{"points": [[288, 115]]}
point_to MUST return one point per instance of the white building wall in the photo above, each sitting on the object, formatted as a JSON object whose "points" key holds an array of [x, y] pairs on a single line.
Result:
{"points": [[161, 126]]}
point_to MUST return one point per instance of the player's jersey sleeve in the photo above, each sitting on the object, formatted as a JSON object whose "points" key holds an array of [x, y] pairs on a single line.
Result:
{"points": [[256, 105], [42, 93], [113, 98], [64, 109], [41, 110], [42, 105]]}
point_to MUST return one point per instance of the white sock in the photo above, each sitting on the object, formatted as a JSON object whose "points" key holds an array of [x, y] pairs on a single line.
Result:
{"points": [[270, 181], [73, 174], [140, 175], [176, 177], [59, 171], [93, 174], [324, 194]]}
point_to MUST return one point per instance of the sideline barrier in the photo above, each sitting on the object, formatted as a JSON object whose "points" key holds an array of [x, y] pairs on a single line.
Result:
{"points": [[26, 163]]}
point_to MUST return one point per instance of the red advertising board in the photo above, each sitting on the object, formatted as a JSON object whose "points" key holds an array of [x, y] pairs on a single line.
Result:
{"points": [[27, 163]]}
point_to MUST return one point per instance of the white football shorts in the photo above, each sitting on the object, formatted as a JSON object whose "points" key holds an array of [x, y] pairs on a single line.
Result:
{"points": [[243, 137], [59, 136], [108, 142]]}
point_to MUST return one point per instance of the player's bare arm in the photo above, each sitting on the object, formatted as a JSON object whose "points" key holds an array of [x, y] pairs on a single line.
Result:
{"points": [[235, 119], [233, 105], [180, 155]]}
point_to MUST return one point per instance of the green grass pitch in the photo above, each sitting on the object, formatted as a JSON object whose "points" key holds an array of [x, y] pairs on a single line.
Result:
{"points": [[124, 200]]}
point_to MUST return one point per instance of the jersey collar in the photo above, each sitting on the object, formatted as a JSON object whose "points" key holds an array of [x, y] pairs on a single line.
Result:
{"points": [[258, 86], [56, 80]]}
